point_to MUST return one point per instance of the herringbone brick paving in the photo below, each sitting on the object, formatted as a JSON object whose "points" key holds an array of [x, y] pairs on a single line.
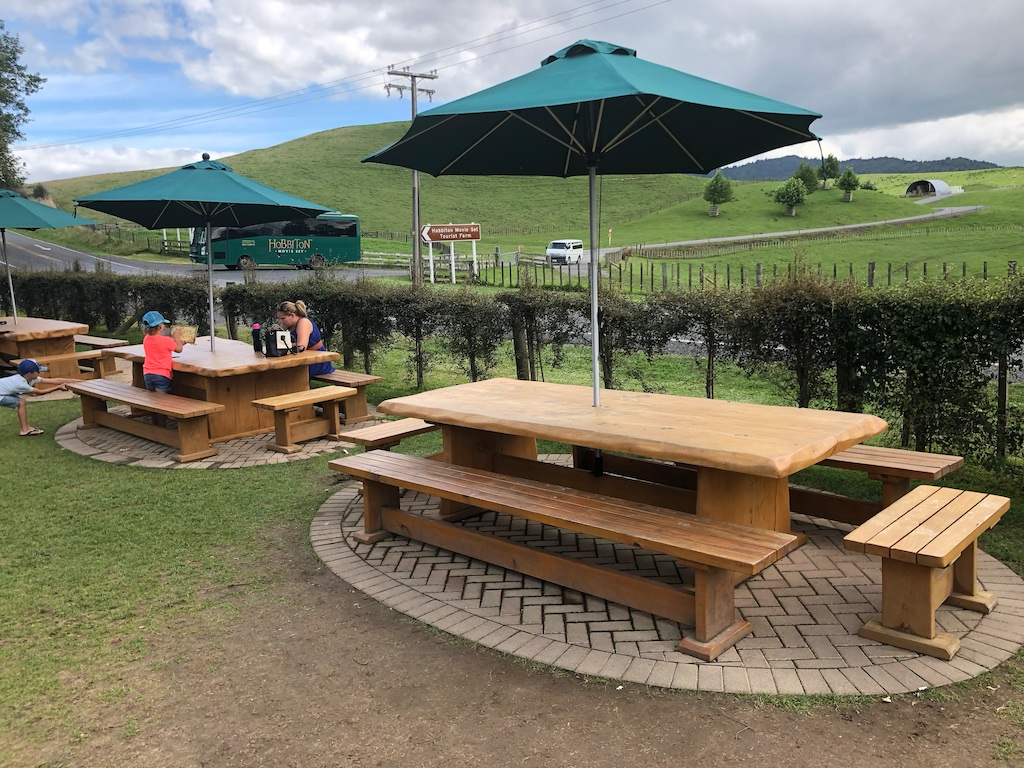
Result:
{"points": [[805, 610]]}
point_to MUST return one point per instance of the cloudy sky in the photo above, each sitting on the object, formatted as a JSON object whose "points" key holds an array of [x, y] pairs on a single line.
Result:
{"points": [[154, 83]]}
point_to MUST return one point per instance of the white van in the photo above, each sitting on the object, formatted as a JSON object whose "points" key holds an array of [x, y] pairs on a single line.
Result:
{"points": [[565, 251]]}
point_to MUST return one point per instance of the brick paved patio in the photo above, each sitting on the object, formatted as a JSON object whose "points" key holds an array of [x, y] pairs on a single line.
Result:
{"points": [[805, 610]]}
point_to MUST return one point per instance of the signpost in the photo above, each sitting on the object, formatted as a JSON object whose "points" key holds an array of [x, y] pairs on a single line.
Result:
{"points": [[449, 233], [436, 233]]}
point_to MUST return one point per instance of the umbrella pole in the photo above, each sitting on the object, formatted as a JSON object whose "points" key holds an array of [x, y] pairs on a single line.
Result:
{"points": [[10, 282], [209, 276], [594, 328]]}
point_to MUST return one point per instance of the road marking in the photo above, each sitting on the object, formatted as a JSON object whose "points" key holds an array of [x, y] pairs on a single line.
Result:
{"points": [[42, 248]]}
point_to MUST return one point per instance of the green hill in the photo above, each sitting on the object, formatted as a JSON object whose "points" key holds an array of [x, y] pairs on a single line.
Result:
{"points": [[325, 168]]}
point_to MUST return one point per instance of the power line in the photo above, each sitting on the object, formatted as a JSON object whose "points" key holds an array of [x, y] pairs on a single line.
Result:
{"points": [[332, 87]]}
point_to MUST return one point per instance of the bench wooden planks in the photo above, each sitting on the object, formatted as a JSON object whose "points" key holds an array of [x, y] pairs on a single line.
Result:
{"points": [[894, 467], [355, 408], [388, 434], [192, 436], [928, 543], [100, 342], [289, 430], [716, 550]]}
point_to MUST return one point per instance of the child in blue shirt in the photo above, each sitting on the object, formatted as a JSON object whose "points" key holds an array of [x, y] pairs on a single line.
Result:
{"points": [[15, 388]]}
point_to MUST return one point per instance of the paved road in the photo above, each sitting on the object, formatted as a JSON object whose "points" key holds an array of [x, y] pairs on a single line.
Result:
{"points": [[28, 253]]}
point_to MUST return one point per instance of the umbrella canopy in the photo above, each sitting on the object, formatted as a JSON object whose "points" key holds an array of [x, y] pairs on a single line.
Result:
{"points": [[18, 213], [595, 108], [202, 194]]}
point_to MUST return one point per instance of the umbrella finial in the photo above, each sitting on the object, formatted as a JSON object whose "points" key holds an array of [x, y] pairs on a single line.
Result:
{"points": [[206, 155]]}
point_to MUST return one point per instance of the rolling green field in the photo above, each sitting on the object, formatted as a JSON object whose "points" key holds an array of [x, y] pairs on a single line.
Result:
{"points": [[640, 210]]}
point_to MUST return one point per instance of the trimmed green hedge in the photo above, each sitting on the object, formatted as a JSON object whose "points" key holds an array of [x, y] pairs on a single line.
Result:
{"points": [[923, 355]]}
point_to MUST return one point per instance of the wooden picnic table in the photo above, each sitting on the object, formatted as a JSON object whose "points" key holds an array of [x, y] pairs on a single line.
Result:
{"points": [[39, 337], [742, 452], [233, 375]]}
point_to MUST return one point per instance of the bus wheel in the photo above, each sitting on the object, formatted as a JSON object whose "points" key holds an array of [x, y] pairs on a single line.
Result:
{"points": [[231, 266], [246, 262], [316, 261]]}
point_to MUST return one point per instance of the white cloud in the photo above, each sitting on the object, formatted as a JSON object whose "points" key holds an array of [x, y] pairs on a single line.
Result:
{"points": [[919, 79], [71, 161]]}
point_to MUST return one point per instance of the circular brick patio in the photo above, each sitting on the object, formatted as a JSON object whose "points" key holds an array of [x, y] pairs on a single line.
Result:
{"points": [[805, 610]]}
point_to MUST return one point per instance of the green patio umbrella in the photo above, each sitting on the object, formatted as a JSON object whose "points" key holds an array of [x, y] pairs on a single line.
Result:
{"points": [[202, 194], [18, 213], [595, 108]]}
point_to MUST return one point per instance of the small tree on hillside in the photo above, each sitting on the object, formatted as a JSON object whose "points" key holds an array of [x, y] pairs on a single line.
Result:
{"points": [[807, 176], [848, 182], [718, 190], [828, 170], [791, 194]]}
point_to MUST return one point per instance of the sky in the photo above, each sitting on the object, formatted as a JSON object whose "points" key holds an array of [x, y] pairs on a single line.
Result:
{"points": [[138, 84]]}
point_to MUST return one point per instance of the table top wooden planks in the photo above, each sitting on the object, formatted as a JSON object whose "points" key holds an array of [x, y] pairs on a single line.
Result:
{"points": [[231, 358], [29, 328], [763, 440]]}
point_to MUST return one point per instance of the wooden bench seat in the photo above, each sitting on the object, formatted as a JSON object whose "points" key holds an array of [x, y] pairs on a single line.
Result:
{"points": [[289, 429], [928, 542], [716, 551], [192, 436], [96, 364], [388, 434], [100, 342], [354, 409], [894, 467]]}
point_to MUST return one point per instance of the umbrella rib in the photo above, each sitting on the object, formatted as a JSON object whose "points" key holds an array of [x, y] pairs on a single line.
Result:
{"points": [[623, 137], [764, 119]]}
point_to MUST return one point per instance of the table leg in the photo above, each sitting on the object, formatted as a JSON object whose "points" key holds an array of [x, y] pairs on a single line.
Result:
{"points": [[760, 502], [476, 448]]}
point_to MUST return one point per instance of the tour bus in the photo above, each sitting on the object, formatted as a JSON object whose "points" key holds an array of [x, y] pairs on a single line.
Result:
{"points": [[330, 238]]}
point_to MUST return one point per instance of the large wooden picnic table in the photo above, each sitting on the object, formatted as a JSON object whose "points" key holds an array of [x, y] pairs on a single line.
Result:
{"points": [[742, 452], [234, 375], [40, 337]]}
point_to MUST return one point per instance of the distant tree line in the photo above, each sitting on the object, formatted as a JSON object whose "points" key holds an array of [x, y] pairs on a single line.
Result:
{"points": [[776, 169]]}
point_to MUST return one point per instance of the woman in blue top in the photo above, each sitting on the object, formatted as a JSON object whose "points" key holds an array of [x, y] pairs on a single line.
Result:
{"points": [[305, 333]]}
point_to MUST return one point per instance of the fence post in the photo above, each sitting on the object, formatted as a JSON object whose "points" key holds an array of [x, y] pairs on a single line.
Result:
{"points": [[871, 274], [689, 275], [758, 274], [1011, 267], [664, 276], [728, 277], [888, 279]]}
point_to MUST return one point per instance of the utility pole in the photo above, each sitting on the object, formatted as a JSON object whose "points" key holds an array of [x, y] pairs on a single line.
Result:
{"points": [[417, 251]]}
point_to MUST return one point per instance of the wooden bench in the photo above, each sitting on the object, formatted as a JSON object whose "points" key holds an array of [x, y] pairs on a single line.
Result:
{"points": [[894, 467], [355, 409], [192, 436], [716, 551], [289, 429], [100, 342], [388, 434], [928, 542], [97, 365]]}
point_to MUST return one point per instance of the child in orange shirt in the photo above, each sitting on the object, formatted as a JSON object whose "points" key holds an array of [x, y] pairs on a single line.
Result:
{"points": [[156, 370]]}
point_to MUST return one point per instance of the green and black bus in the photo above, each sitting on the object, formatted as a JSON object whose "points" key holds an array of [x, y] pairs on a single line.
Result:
{"points": [[330, 238]]}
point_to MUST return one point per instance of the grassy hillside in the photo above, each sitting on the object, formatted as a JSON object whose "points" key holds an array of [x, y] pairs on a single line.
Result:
{"points": [[325, 168]]}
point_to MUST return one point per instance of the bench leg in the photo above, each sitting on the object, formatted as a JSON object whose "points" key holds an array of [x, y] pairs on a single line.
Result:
{"points": [[283, 439], [90, 407], [910, 595], [893, 488], [966, 593], [332, 413], [355, 408], [104, 367], [717, 627], [194, 439], [376, 496]]}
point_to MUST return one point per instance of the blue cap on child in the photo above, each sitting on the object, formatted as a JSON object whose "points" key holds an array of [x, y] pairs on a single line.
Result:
{"points": [[152, 319], [28, 365]]}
